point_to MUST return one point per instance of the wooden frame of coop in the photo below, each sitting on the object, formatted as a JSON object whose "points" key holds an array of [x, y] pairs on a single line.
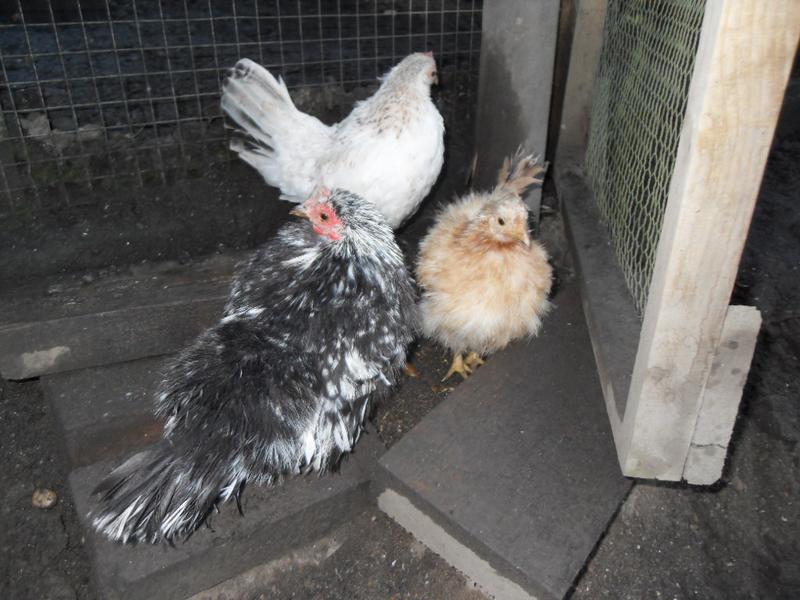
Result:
{"points": [[673, 378]]}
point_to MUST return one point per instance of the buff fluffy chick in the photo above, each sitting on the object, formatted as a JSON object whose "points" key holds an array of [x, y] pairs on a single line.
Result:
{"points": [[484, 281]]}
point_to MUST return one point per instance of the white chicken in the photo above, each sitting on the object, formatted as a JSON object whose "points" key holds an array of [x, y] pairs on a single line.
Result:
{"points": [[389, 149]]}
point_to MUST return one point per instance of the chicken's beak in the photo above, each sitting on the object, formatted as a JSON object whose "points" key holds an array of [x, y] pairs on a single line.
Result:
{"points": [[521, 233], [299, 211]]}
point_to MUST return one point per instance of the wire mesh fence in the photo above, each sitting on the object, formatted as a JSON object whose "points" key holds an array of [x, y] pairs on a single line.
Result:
{"points": [[115, 93], [638, 107]]}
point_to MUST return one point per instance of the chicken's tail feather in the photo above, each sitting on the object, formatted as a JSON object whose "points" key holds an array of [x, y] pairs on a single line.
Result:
{"points": [[164, 494], [273, 136], [519, 172], [250, 94]]}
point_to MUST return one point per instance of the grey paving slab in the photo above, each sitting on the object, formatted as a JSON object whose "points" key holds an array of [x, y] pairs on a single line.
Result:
{"points": [[72, 321], [107, 411], [275, 521], [518, 463]]}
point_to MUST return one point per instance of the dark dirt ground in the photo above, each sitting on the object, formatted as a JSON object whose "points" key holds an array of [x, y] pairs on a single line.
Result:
{"points": [[370, 558], [42, 554], [738, 539]]}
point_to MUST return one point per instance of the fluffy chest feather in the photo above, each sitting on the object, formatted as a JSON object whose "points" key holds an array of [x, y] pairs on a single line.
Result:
{"points": [[351, 315], [479, 298]]}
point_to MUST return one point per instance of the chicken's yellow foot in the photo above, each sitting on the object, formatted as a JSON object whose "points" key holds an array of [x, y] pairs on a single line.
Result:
{"points": [[459, 367], [473, 360], [411, 370]]}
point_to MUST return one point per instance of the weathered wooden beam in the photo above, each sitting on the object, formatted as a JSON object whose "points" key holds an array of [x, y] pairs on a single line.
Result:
{"points": [[517, 55], [73, 321], [744, 57], [587, 41]]}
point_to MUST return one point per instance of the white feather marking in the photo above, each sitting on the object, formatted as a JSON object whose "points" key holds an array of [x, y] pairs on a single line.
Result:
{"points": [[357, 366], [304, 260]]}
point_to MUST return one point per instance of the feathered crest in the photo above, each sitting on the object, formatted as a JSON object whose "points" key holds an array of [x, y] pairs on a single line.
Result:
{"points": [[520, 172]]}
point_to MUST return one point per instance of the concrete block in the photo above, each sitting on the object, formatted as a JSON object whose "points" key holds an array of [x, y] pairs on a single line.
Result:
{"points": [[105, 412], [276, 520], [435, 537], [518, 463], [722, 394]]}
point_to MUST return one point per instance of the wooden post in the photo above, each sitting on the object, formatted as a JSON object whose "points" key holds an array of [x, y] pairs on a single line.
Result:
{"points": [[590, 17], [743, 61], [517, 54]]}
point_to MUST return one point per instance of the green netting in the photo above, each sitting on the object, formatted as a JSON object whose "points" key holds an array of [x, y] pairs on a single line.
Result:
{"points": [[638, 106]]}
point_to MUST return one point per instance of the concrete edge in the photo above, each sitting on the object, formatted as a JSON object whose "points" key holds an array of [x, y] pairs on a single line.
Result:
{"points": [[223, 562], [384, 480], [427, 531]]}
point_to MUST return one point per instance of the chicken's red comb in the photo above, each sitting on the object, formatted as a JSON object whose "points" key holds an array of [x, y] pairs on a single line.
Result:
{"points": [[429, 53], [321, 193]]}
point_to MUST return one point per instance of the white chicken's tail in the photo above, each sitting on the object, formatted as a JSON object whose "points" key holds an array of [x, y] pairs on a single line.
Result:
{"points": [[520, 172], [280, 142]]}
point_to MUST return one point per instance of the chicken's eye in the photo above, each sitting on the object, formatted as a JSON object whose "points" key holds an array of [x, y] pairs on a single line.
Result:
{"points": [[324, 216], [501, 221]]}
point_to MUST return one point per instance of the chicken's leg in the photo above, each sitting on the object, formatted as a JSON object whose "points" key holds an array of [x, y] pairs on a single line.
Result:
{"points": [[473, 360], [411, 371], [459, 367]]}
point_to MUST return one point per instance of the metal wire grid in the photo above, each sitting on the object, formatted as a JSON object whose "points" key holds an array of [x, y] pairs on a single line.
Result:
{"points": [[97, 94], [639, 102]]}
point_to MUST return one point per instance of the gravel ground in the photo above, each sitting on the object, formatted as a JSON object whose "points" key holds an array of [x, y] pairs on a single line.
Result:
{"points": [[370, 558]]}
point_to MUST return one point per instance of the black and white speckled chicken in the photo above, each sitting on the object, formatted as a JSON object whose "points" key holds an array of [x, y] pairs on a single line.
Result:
{"points": [[389, 149], [315, 329]]}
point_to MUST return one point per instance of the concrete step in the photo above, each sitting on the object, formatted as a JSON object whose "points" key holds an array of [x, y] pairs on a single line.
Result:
{"points": [[276, 520], [105, 412], [514, 477], [84, 320]]}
